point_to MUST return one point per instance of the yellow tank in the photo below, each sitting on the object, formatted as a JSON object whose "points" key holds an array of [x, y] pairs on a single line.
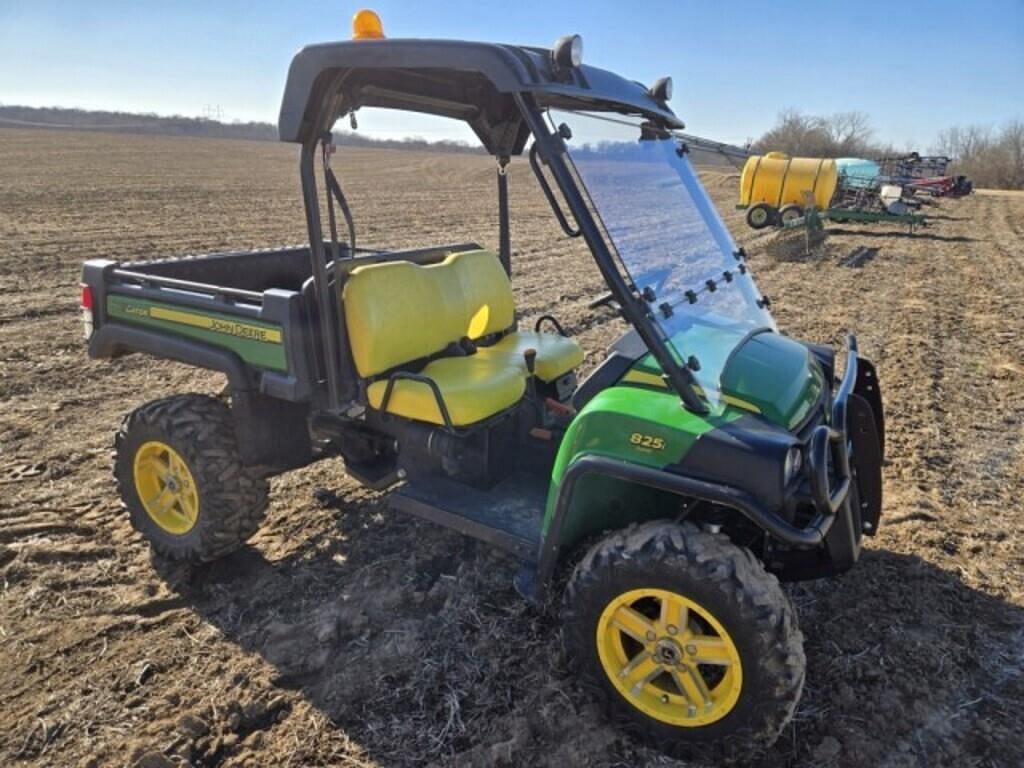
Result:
{"points": [[778, 179]]}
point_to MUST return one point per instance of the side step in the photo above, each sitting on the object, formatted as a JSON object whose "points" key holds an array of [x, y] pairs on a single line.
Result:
{"points": [[508, 516]]}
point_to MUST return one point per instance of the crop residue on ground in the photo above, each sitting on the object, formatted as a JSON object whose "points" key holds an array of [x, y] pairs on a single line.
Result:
{"points": [[344, 635]]}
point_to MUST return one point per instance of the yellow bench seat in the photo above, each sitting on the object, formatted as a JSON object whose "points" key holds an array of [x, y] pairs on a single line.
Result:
{"points": [[399, 314], [474, 388]]}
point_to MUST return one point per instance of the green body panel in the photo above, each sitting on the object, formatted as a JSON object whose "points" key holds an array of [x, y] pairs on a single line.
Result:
{"points": [[255, 342], [639, 425], [769, 374], [772, 374]]}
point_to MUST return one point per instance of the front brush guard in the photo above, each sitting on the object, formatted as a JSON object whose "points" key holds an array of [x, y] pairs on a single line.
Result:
{"points": [[829, 446]]}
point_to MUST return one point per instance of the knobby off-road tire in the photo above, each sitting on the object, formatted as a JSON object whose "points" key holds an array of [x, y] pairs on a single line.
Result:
{"points": [[717, 579], [223, 500]]}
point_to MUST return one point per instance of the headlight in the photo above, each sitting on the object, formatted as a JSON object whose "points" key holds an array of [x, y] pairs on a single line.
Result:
{"points": [[794, 463], [661, 90], [568, 51]]}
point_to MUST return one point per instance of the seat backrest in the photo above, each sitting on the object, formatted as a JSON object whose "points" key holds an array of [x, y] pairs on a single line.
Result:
{"points": [[398, 311], [486, 291]]}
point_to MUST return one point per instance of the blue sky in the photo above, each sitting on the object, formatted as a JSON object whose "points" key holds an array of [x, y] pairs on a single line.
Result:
{"points": [[913, 67]]}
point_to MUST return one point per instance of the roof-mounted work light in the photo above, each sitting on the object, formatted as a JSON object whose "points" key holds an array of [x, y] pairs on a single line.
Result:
{"points": [[661, 91], [366, 26], [568, 51]]}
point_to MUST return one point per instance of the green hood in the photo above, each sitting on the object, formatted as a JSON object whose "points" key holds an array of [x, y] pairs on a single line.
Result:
{"points": [[769, 374]]}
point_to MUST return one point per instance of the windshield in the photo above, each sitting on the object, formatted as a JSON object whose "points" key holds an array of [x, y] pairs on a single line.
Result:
{"points": [[670, 240]]}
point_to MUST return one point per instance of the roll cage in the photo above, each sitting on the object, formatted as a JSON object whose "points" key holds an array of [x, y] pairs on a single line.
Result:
{"points": [[501, 92]]}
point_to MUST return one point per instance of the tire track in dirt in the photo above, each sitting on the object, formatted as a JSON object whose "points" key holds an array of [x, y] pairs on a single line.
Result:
{"points": [[913, 300], [960, 392], [34, 529]]}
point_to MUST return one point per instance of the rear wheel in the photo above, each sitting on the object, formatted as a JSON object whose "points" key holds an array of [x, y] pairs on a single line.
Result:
{"points": [[685, 639], [790, 213], [182, 481], [760, 216]]}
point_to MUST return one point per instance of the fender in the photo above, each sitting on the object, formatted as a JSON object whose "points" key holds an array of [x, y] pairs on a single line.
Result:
{"points": [[269, 431], [114, 340], [867, 387], [867, 461]]}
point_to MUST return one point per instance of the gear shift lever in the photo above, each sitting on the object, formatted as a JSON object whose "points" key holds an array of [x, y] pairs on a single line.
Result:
{"points": [[530, 355]]}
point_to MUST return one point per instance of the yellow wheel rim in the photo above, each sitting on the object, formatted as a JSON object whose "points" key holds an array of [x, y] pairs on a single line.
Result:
{"points": [[669, 657], [166, 487]]}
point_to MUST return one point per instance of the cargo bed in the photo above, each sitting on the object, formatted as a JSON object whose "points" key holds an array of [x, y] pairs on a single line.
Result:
{"points": [[249, 314]]}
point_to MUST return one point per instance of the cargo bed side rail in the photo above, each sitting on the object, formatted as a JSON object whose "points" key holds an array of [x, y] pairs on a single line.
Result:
{"points": [[217, 291]]}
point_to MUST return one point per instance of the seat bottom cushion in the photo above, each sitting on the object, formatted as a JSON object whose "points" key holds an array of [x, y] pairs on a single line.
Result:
{"points": [[556, 354], [474, 388]]}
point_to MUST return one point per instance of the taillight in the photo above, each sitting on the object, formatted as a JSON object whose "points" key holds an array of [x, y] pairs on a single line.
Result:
{"points": [[86, 304]]}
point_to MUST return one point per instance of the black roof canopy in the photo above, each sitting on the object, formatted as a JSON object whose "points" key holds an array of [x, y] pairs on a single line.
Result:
{"points": [[474, 82]]}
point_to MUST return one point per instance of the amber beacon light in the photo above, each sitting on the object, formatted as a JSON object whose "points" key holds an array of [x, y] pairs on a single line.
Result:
{"points": [[366, 26]]}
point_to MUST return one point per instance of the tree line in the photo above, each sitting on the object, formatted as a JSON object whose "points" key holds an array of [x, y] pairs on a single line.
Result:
{"points": [[127, 122], [177, 125], [991, 156]]}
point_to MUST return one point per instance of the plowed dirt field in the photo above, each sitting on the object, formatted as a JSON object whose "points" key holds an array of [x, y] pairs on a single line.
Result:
{"points": [[346, 635]]}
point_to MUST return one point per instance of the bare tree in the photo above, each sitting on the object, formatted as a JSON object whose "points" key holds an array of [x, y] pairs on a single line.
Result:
{"points": [[990, 158], [1012, 141], [849, 132], [795, 133], [964, 142], [839, 135]]}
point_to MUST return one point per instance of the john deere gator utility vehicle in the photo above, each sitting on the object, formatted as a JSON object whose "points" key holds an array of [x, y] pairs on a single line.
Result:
{"points": [[665, 495]]}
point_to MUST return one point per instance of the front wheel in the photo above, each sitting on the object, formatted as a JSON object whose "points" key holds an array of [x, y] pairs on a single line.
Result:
{"points": [[685, 639], [760, 216]]}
